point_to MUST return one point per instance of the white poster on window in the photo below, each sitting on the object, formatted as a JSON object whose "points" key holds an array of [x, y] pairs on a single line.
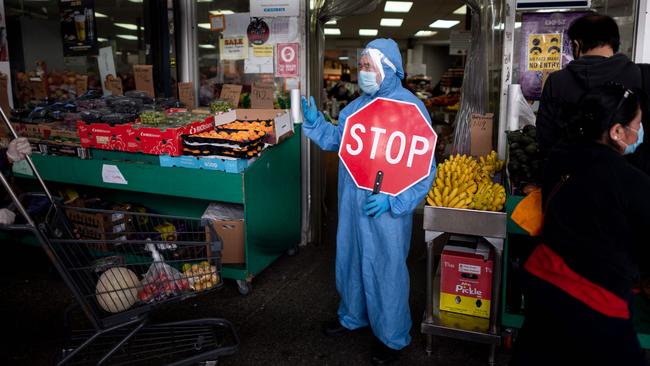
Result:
{"points": [[106, 65], [260, 60], [274, 8], [236, 24], [233, 48]]}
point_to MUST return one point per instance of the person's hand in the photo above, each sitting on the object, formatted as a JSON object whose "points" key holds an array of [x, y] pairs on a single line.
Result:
{"points": [[7, 217], [18, 149], [309, 112], [376, 205]]}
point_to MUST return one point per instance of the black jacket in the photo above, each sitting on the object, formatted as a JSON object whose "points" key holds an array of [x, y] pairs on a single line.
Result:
{"points": [[563, 89], [598, 219]]}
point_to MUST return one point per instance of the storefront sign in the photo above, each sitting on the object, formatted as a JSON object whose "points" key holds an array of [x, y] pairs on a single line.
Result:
{"points": [[546, 48], [274, 8], [186, 94], [78, 27], [81, 84], [233, 48], [260, 60], [459, 42], [143, 75], [545, 52], [231, 93], [106, 65], [287, 60], [552, 4], [217, 22], [258, 32], [480, 127], [262, 95]]}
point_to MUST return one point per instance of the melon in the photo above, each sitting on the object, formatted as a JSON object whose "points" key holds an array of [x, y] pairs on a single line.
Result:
{"points": [[117, 289]]}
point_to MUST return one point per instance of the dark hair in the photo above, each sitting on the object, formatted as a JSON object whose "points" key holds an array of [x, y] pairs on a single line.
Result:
{"points": [[595, 30], [602, 107]]}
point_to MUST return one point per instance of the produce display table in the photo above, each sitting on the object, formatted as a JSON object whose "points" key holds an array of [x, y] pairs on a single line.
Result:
{"points": [[269, 189], [511, 319], [488, 225]]}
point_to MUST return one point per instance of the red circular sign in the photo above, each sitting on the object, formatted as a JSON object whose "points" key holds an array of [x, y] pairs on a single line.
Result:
{"points": [[390, 136]]}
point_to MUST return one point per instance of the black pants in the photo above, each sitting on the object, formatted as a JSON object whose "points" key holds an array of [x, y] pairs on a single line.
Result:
{"points": [[560, 330]]}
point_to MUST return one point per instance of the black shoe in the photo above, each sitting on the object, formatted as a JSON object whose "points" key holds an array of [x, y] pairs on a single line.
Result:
{"points": [[383, 355], [335, 329]]}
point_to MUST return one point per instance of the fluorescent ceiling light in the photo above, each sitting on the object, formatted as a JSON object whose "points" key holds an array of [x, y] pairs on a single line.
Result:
{"points": [[118, 53], [311, 4], [461, 11], [398, 6], [208, 46], [136, 1], [551, 10], [126, 26], [331, 22], [221, 12], [444, 23], [425, 33], [391, 22], [204, 25], [102, 39], [368, 32], [100, 15], [332, 31], [127, 36], [501, 26], [203, 1], [344, 58]]}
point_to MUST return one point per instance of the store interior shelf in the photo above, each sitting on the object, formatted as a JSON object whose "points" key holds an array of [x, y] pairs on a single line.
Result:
{"points": [[269, 189]]}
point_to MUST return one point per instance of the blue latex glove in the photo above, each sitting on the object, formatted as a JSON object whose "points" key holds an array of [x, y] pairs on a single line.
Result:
{"points": [[376, 205], [309, 112]]}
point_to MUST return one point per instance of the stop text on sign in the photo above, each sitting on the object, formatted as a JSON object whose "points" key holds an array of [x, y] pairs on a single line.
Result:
{"points": [[395, 144]]}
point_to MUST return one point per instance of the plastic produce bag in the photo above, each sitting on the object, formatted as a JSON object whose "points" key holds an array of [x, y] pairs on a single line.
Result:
{"points": [[161, 280], [519, 111]]}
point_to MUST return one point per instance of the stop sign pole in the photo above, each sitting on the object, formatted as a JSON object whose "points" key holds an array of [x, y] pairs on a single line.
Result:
{"points": [[391, 137]]}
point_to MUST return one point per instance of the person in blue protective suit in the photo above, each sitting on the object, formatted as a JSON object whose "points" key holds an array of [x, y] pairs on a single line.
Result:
{"points": [[374, 231]]}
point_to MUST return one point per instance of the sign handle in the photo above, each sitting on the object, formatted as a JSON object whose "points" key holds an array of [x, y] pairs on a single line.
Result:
{"points": [[377, 185]]}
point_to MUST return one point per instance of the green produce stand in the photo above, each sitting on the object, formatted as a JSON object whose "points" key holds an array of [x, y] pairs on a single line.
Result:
{"points": [[269, 189], [512, 320]]}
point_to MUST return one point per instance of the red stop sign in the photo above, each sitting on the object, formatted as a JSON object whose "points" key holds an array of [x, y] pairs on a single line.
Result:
{"points": [[390, 136]]}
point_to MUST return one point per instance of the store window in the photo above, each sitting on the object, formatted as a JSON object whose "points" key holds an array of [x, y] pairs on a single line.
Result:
{"points": [[62, 40], [240, 52]]}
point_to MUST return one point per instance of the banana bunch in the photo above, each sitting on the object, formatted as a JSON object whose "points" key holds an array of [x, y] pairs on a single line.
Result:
{"points": [[464, 182]]}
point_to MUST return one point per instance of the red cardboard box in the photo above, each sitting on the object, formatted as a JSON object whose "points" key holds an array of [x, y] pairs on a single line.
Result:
{"points": [[106, 137], [465, 281], [168, 140]]}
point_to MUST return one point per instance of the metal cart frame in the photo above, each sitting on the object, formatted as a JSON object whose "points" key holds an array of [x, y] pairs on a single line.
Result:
{"points": [[120, 331], [492, 227]]}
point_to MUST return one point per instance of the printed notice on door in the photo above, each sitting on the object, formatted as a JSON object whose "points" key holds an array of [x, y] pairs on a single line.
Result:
{"points": [[545, 52]]}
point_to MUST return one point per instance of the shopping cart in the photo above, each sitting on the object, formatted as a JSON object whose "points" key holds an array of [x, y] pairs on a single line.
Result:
{"points": [[118, 277]]}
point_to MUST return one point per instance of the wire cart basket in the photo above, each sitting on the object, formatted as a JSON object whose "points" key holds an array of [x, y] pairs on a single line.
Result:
{"points": [[121, 273]]}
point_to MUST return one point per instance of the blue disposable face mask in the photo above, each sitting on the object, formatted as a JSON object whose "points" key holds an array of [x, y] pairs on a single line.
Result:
{"points": [[631, 148], [368, 82]]}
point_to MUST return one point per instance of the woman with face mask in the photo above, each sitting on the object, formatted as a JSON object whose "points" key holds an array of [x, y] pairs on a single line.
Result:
{"points": [[374, 230], [579, 281]]}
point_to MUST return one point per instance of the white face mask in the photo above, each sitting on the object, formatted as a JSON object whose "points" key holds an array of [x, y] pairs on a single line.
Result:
{"points": [[368, 82]]}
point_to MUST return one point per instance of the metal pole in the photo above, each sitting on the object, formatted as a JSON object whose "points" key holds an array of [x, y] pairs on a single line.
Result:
{"points": [[29, 159], [188, 68], [642, 48], [506, 74]]}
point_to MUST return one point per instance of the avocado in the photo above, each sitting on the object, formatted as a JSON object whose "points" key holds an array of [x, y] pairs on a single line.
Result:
{"points": [[514, 146], [528, 128], [531, 149], [513, 166]]}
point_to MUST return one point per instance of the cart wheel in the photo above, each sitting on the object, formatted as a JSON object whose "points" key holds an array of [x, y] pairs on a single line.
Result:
{"points": [[244, 287], [292, 251]]}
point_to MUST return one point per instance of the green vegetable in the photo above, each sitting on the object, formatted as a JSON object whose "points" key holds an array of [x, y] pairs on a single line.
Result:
{"points": [[220, 106], [153, 118]]}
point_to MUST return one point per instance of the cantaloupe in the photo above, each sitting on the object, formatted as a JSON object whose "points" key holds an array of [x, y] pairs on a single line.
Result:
{"points": [[117, 289]]}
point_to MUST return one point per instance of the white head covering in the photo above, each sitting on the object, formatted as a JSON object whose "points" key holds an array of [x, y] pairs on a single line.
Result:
{"points": [[378, 58]]}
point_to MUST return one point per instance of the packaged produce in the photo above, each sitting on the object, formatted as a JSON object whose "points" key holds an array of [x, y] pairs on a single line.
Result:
{"points": [[153, 118], [201, 276], [524, 160], [117, 289], [220, 106], [465, 182], [264, 126]]}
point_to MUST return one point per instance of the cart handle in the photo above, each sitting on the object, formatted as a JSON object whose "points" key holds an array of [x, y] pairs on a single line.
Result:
{"points": [[29, 161]]}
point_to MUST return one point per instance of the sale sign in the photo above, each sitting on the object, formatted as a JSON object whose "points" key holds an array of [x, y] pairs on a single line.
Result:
{"points": [[287, 60], [390, 136]]}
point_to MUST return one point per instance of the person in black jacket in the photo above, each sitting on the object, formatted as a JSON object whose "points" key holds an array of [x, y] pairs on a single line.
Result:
{"points": [[595, 39], [578, 283]]}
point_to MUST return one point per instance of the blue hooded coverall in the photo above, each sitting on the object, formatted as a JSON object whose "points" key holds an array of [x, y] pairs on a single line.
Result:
{"points": [[371, 273]]}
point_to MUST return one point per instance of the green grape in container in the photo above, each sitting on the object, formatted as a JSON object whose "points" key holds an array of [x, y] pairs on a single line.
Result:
{"points": [[154, 118]]}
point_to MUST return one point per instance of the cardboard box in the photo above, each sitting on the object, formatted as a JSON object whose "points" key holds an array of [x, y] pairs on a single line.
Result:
{"points": [[283, 127], [221, 163], [228, 221], [168, 140], [106, 137], [54, 131], [466, 280]]}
